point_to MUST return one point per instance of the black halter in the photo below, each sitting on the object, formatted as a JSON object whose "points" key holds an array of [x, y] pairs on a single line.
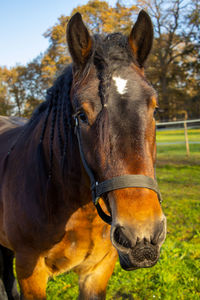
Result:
{"points": [[120, 182]]}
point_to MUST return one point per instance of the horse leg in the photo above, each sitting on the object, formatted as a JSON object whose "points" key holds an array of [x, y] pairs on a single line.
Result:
{"points": [[8, 277], [93, 281], [32, 275], [3, 295]]}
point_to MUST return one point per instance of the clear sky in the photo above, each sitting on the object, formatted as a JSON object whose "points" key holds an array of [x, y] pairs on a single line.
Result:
{"points": [[23, 23]]}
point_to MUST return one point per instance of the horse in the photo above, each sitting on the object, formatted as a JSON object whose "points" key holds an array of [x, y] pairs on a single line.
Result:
{"points": [[77, 181]]}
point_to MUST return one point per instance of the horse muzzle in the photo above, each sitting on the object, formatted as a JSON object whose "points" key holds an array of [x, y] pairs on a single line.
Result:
{"points": [[135, 250], [141, 256]]}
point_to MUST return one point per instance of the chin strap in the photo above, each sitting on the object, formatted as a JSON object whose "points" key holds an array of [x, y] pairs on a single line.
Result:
{"points": [[120, 182]]}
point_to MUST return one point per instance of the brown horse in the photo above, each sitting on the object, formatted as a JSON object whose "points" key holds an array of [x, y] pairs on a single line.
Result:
{"points": [[95, 131]]}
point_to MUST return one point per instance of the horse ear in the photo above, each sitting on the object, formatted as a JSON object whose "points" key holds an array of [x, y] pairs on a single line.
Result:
{"points": [[141, 37], [79, 40]]}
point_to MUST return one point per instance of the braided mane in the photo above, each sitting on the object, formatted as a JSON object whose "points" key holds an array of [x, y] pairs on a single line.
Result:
{"points": [[59, 106]]}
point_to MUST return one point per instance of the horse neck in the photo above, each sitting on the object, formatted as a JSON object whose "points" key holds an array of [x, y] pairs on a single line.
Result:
{"points": [[68, 176], [60, 194], [60, 150]]}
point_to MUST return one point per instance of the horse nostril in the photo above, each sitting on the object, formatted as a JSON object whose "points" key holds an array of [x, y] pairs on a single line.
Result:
{"points": [[120, 238]]}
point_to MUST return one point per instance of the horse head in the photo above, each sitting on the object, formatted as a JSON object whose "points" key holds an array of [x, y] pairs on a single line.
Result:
{"points": [[114, 107]]}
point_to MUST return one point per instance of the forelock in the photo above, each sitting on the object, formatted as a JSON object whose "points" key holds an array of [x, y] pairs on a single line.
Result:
{"points": [[110, 52]]}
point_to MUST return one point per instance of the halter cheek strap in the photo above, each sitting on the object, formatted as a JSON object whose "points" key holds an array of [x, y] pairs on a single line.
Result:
{"points": [[125, 181], [120, 182]]}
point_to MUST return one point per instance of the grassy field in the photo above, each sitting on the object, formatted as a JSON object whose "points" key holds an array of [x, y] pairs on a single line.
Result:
{"points": [[178, 135], [177, 274]]}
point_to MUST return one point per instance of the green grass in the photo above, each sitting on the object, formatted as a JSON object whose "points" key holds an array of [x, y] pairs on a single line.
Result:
{"points": [[178, 135], [177, 274]]}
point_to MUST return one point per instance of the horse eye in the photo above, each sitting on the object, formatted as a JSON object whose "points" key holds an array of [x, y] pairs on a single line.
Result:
{"points": [[83, 117], [155, 112]]}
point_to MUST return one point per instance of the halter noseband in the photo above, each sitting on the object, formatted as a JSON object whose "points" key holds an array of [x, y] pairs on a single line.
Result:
{"points": [[120, 182]]}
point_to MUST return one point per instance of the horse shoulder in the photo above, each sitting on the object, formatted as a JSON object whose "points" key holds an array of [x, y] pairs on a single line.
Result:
{"points": [[85, 243]]}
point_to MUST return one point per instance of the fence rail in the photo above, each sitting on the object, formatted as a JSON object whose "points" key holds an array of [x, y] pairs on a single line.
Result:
{"points": [[178, 133], [177, 122]]}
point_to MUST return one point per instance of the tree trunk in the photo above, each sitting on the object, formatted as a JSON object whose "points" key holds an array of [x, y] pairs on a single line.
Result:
{"points": [[164, 97]]}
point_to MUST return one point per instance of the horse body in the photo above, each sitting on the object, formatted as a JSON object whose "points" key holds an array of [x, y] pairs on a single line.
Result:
{"points": [[97, 119], [71, 237]]}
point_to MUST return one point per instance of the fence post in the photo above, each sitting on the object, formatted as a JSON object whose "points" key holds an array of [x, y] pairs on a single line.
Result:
{"points": [[185, 130], [186, 138]]}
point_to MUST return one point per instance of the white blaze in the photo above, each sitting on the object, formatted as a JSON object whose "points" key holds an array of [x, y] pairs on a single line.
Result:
{"points": [[120, 84]]}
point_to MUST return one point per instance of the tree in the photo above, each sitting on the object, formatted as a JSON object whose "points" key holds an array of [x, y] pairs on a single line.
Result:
{"points": [[100, 17], [56, 56], [21, 89], [5, 104], [175, 49], [15, 79], [35, 86]]}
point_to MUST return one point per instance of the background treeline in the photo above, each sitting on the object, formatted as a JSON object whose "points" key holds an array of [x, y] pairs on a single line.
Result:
{"points": [[173, 67]]}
